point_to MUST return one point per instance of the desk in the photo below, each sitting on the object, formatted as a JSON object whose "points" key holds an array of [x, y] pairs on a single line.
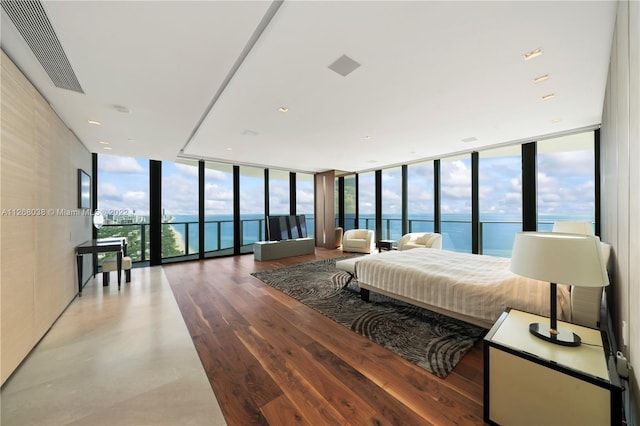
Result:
{"points": [[103, 245]]}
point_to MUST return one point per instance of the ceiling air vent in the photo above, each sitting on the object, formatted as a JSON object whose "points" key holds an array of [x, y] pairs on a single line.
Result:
{"points": [[344, 65], [33, 24]]}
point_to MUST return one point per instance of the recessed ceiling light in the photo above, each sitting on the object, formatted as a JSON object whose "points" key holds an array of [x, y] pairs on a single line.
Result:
{"points": [[541, 78], [283, 109], [549, 96], [556, 120], [104, 142], [229, 149], [94, 122], [471, 139], [108, 148], [532, 54]]}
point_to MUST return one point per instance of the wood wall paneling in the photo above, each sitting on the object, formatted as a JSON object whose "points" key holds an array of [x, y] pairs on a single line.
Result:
{"points": [[621, 181], [325, 211], [39, 158]]}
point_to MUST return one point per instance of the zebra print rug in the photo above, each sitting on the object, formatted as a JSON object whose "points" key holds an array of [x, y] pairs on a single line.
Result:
{"points": [[432, 341]]}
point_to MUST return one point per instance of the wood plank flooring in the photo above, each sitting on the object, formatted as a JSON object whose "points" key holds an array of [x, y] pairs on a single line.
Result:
{"points": [[272, 360]]}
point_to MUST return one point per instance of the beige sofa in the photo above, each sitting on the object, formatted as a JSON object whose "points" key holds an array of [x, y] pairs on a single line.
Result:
{"points": [[358, 240], [420, 239]]}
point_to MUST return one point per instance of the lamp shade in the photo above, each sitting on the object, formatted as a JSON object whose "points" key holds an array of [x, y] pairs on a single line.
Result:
{"points": [[585, 228], [559, 258]]}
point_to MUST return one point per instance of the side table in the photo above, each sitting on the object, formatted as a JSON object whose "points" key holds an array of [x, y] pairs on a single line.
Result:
{"points": [[385, 245], [529, 381]]}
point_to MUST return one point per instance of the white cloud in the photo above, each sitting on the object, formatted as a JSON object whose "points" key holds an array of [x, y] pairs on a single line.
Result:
{"points": [[116, 164], [187, 170], [215, 175], [108, 190]]}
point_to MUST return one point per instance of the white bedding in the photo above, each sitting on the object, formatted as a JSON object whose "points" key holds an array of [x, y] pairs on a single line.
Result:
{"points": [[480, 287]]}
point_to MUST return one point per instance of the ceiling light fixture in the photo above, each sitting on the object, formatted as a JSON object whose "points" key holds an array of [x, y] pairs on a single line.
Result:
{"points": [[131, 140], [549, 96], [283, 109], [95, 122], [556, 120], [541, 78], [471, 139], [229, 149], [108, 148], [104, 142], [367, 137], [532, 54]]}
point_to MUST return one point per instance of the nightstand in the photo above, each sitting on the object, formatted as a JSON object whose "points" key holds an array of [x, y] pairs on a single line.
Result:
{"points": [[385, 245], [528, 381]]}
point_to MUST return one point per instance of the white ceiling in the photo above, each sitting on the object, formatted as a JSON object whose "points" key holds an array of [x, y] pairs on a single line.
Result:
{"points": [[432, 74]]}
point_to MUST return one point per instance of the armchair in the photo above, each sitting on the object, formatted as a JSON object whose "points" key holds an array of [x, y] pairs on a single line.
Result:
{"points": [[420, 239], [357, 240]]}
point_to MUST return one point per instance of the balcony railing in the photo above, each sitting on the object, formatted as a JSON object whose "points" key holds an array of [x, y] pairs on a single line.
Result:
{"points": [[495, 237], [218, 234], [138, 236]]}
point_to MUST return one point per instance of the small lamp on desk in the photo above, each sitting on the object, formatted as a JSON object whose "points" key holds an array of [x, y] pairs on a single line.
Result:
{"points": [[558, 258]]}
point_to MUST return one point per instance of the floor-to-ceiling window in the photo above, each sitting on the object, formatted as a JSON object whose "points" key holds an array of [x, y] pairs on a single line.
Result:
{"points": [[500, 198], [455, 203], [123, 200], [350, 202], [252, 218], [305, 200], [279, 194], [367, 201], [218, 209], [566, 180], [392, 203], [179, 208], [420, 201]]}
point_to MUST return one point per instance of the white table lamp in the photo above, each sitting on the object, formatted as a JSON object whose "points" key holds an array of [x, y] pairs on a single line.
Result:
{"points": [[558, 258]]}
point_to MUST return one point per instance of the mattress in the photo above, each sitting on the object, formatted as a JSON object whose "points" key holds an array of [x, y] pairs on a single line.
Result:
{"points": [[476, 286]]}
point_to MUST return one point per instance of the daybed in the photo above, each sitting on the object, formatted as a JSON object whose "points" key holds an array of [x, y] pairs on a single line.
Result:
{"points": [[473, 288]]}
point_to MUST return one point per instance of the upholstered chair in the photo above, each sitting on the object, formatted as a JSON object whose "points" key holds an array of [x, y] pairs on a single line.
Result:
{"points": [[358, 240], [420, 239]]}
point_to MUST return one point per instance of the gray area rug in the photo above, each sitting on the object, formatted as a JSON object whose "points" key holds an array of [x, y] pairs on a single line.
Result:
{"points": [[432, 341]]}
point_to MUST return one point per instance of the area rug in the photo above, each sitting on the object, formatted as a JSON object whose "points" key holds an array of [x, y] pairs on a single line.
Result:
{"points": [[432, 341]]}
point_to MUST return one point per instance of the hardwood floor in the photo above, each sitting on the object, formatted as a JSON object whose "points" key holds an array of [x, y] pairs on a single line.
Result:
{"points": [[272, 360]]}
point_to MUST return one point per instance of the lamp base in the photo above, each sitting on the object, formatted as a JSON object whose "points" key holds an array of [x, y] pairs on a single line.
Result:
{"points": [[558, 336]]}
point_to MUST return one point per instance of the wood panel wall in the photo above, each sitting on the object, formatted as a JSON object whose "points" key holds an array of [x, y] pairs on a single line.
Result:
{"points": [[39, 159], [325, 213], [620, 160]]}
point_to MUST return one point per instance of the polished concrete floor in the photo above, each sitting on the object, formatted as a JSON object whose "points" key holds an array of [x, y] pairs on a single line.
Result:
{"points": [[114, 358]]}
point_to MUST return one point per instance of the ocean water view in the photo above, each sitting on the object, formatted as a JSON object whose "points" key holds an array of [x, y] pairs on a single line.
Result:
{"points": [[497, 231]]}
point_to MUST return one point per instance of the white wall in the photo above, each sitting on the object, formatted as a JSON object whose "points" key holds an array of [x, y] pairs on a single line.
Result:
{"points": [[39, 159], [620, 139]]}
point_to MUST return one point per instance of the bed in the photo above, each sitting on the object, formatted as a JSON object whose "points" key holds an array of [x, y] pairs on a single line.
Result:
{"points": [[473, 288]]}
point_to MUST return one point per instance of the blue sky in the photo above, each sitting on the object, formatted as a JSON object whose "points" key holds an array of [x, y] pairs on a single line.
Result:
{"points": [[565, 187], [123, 183]]}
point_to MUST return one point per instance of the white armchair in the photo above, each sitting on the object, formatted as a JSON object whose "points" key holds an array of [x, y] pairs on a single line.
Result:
{"points": [[357, 240], [420, 239]]}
